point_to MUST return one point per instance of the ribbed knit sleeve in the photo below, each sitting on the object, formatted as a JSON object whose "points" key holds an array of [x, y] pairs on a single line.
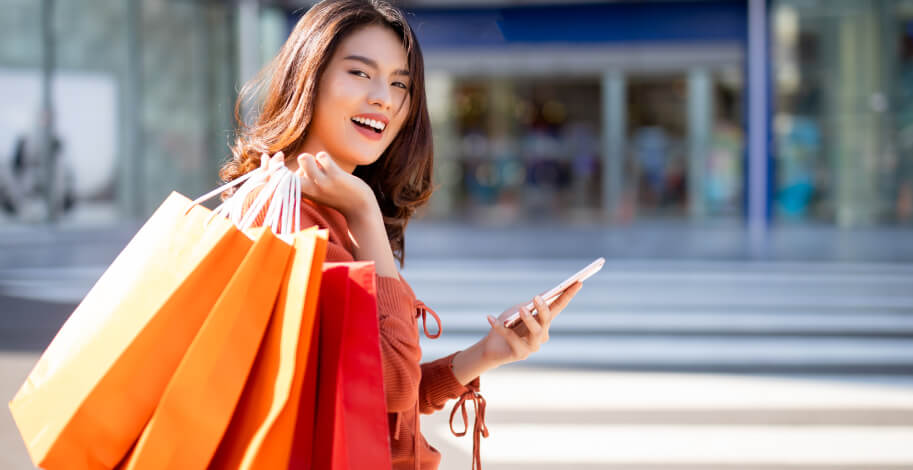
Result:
{"points": [[439, 385], [399, 344]]}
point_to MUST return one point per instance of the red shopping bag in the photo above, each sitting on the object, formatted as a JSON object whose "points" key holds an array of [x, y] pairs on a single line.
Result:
{"points": [[350, 429], [97, 384]]}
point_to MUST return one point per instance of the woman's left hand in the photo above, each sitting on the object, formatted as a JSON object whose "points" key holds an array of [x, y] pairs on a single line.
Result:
{"points": [[504, 345]]}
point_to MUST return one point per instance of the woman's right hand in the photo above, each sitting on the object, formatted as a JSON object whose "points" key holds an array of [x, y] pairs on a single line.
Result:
{"points": [[324, 182]]}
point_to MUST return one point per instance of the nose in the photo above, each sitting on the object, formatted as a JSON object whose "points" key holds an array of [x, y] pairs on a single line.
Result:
{"points": [[380, 96]]}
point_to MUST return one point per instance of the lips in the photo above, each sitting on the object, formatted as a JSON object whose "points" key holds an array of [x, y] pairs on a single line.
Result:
{"points": [[371, 125], [369, 133]]}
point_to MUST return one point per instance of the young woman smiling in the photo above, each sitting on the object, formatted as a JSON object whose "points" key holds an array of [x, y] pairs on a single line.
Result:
{"points": [[345, 109]]}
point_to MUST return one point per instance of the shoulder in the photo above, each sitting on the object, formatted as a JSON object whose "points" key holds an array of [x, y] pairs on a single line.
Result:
{"points": [[314, 214]]}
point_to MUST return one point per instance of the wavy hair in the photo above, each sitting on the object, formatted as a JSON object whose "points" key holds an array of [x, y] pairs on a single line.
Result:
{"points": [[401, 176]]}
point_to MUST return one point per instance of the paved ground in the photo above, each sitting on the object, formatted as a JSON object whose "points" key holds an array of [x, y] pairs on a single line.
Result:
{"points": [[691, 350], [14, 368], [571, 419], [543, 418]]}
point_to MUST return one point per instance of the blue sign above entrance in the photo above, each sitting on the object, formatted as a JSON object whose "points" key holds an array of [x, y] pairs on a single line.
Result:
{"points": [[585, 23]]}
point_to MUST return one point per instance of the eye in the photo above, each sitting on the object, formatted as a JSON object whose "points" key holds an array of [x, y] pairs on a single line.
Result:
{"points": [[401, 85], [358, 73]]}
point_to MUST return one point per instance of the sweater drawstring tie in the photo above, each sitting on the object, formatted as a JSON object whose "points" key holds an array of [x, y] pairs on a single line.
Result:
{"points": [[422, 310], [416, 449], [399, 419], [479, 429]]}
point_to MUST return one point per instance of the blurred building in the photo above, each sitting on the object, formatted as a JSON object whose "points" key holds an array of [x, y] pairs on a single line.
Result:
{"points": [[699, 111]]}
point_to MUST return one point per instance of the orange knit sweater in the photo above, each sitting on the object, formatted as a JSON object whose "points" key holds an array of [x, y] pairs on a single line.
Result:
{"points": [[410, 388]]}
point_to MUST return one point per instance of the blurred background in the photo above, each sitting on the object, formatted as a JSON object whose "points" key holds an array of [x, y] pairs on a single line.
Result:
{"points": [[746, 167]]}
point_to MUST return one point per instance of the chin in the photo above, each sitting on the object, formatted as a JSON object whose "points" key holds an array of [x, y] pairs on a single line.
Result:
{"points": [[362, 158], [368, 157]]}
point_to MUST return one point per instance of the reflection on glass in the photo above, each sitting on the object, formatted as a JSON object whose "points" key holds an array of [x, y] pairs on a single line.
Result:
{"points": [[528, 149], [844, 113]]}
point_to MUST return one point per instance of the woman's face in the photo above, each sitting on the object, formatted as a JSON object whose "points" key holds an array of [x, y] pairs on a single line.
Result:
{"points": [[362, 98]]}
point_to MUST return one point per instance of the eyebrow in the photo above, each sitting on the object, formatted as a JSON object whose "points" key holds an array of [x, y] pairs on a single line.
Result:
{"points": [[372, 63]]}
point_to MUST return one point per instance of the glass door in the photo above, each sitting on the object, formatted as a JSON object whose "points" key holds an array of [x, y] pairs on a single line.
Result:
{"points": [[655, 177]]}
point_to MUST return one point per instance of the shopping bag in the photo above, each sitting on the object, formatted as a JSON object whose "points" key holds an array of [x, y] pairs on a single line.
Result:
{"points": [[351, 423], [95, 387], [301, 457], [201, 396], [261, 432]]}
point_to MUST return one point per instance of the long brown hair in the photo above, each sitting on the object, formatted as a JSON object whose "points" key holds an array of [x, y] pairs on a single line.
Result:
{"points": [[401, 177]]}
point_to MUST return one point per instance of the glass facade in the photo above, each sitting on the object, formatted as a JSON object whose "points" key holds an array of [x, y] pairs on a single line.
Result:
{"points": [[645, 120], [527, 148], [684, 146], [843, 119], [636, 122], [142, 94], [533, 147]]}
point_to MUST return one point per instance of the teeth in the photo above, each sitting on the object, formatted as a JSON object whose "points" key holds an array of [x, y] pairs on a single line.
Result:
{"points": [[370, 122]]}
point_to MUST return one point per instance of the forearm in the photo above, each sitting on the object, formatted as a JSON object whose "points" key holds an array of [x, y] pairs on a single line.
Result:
{"points": [[370, 239], [471, 363]]}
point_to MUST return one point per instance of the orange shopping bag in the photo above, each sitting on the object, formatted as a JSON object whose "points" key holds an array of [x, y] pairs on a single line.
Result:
{"points": [[198, 403], [262, 429], [95, 387]]}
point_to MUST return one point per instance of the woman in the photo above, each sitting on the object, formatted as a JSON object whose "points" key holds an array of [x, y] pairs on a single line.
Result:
{"points": [[345, 109]]}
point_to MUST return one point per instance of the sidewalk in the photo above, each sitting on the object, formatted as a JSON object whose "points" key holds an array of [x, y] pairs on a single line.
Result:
{"points": [[661, 240], [567, 419], [664, 240]]}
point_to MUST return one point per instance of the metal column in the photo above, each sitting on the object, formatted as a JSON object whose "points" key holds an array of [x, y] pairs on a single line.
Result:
{"points": [[758, 222], [614, 122], [46, 115], [700, 124], [248, 44]]}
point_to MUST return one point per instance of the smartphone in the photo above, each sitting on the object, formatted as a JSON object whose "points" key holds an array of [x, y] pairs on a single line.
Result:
{"points": [[553, 294]]}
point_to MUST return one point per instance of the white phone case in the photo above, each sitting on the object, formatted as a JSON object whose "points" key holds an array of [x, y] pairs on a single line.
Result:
{"points": [[555, 292]]}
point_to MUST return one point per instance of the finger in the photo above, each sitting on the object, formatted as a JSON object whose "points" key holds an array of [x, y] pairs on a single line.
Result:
{"points": [[302, 157], [264, 161], [307, 182], [310, 165], [531, 323], [326, 163], [303, 166], [565, 298], [520, 329], [510, 311], [545, 314], [276, 161], [519, 348]]}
